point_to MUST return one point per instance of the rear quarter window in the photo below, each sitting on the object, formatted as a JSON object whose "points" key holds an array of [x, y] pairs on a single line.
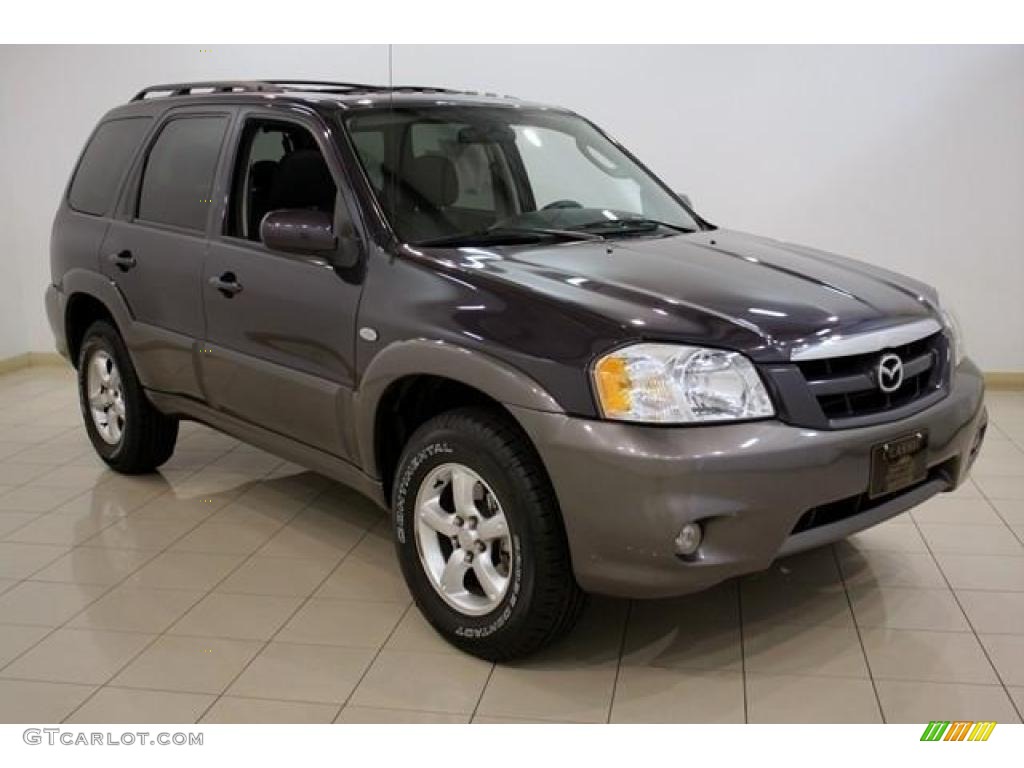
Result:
{"points": [[104, 162]]}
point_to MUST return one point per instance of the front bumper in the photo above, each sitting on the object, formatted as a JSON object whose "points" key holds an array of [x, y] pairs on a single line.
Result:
{"points": [[626, 490]]}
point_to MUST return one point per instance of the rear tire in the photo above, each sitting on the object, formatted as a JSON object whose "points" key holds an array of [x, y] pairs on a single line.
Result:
{"points": [[128, 433], [480, 536]]}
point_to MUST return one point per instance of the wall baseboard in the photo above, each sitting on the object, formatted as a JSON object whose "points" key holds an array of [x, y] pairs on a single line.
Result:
{"points": [[997, 380], [27, 359], [1005, 380]]}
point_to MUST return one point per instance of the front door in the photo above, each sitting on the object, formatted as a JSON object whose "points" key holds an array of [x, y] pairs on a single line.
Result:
{"points": [[280, 327]]}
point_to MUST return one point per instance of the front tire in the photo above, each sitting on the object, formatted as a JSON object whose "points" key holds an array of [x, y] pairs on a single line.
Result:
{"points": [[128, 433], [480, 537]]}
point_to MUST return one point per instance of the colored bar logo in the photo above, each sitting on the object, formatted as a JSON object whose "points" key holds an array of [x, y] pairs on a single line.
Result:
{"points": [[961, 730]]}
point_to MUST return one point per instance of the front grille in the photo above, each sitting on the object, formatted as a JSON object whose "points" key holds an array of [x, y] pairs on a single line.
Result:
{"points": [[847, 387]]}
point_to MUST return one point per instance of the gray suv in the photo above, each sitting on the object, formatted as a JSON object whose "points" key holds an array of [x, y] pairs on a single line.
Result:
{"points": [[493, 320]]}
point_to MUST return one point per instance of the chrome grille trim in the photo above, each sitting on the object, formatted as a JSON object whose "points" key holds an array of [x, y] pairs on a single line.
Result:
{"points": [[872, 341]]}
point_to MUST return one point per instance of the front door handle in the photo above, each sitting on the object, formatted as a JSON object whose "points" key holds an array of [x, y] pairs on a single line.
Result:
{"points": [[227, 284], [123, 260]]}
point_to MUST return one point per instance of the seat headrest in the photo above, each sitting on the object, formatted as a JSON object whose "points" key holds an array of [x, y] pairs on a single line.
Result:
{"points": [[434, 177], [261, 174], [303, 181]]}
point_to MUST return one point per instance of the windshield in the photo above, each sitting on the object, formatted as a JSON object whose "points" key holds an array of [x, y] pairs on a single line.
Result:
{"points": [[448, 175]]}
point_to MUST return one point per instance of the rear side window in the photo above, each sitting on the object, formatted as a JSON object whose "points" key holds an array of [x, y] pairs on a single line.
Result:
{"points": [[178, 179], [104, 162]]}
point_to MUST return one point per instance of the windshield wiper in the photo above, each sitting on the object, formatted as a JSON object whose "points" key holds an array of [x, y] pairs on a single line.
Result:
{"points": [[509, 236], [639, 224]]}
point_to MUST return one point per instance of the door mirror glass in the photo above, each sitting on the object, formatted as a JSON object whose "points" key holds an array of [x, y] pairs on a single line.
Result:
{"points": [[299, 231]]}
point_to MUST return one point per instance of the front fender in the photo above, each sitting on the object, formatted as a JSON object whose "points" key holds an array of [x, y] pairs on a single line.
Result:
{"points": [[412, 357]]}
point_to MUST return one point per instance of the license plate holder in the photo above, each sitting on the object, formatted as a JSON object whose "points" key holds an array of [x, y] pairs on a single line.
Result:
{"points": [[898, 463]]}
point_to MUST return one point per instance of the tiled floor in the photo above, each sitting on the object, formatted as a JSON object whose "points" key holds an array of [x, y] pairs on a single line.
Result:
{"points": [[234, 587]]}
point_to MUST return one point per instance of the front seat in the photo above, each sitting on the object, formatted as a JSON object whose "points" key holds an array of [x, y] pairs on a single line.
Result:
{"points": [[432, 186], [303, 180]]}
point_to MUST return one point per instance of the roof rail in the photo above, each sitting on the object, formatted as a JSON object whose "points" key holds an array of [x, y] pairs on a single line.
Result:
{"points": [[279, 86], [213, 86]]}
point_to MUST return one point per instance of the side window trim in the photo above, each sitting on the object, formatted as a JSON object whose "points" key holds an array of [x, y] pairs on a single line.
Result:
{"points": [[127, 206]]}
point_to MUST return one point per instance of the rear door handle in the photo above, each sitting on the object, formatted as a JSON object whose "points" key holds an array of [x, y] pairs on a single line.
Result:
{"points": [[227, 284], [123, 260]]}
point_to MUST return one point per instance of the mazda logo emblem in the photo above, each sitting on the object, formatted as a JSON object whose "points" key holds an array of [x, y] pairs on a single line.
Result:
{"points": [[890, 373]]}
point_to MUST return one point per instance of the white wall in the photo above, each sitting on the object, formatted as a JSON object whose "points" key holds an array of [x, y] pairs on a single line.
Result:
{"points": [[908, 157]]}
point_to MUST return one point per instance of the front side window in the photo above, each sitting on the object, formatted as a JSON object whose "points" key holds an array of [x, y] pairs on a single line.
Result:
{"points": [[104, 162], [450, 175], [178, 178], [279, 166]]}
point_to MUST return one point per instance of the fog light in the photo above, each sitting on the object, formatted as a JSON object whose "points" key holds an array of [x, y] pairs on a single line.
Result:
{"points": [[688, 539]]}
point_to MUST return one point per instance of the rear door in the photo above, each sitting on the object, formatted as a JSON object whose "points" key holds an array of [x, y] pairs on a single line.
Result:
{"points": [[280, 344], [154, 249]]}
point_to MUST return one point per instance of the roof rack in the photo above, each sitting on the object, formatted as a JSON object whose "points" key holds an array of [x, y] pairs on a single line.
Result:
{"points": [[213, 86], [279, 86]]}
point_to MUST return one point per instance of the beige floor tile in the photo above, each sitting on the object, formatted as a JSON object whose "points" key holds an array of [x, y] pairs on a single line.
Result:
{"points": [[1007, 654], [316, 535], [968, 490], [276, 576], [1001, 486], [130, 609], [233, 709], [46, 603], [1017, 694], [700, 631], [87, 565], [1010, 510], [311, 673], [184, 570], [26, 498], [73, 476], [14, 473], [653, 695], [942, 509], [59, 529], [816, 567], [971, 539], [354, 623], [15, 639], [999, 457], [897, 569], [168, 508], [242, 617], [20, 560], [371, 715], [892, 536], [444, 682], [194, 664], [995, 572], [88, 656], [819, 650], [794, 603], [26, 701], [226, 538], [799, 699], [124, 705], [10, 522], [414, 633], [369, 572], [916, 702], [133, 533], [941, 657], [994, 612], [907, 608], [6, 584]]}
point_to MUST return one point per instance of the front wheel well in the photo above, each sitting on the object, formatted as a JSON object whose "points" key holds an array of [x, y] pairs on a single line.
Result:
{"points": [[82, 311], [412, 401]]}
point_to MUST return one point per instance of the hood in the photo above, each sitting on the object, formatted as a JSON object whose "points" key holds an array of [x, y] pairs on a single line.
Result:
{"points": [[719, 288]]}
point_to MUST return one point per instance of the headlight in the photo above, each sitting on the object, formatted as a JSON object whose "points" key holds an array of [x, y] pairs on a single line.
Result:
{"points": [[672, 384], [955, 332]]}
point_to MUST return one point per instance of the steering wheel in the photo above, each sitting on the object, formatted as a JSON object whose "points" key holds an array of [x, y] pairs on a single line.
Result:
{"points": [[561, 204]]}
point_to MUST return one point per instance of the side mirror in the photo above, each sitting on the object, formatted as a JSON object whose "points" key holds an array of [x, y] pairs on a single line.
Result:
{"points": [[685, 198], [298, 231]]}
